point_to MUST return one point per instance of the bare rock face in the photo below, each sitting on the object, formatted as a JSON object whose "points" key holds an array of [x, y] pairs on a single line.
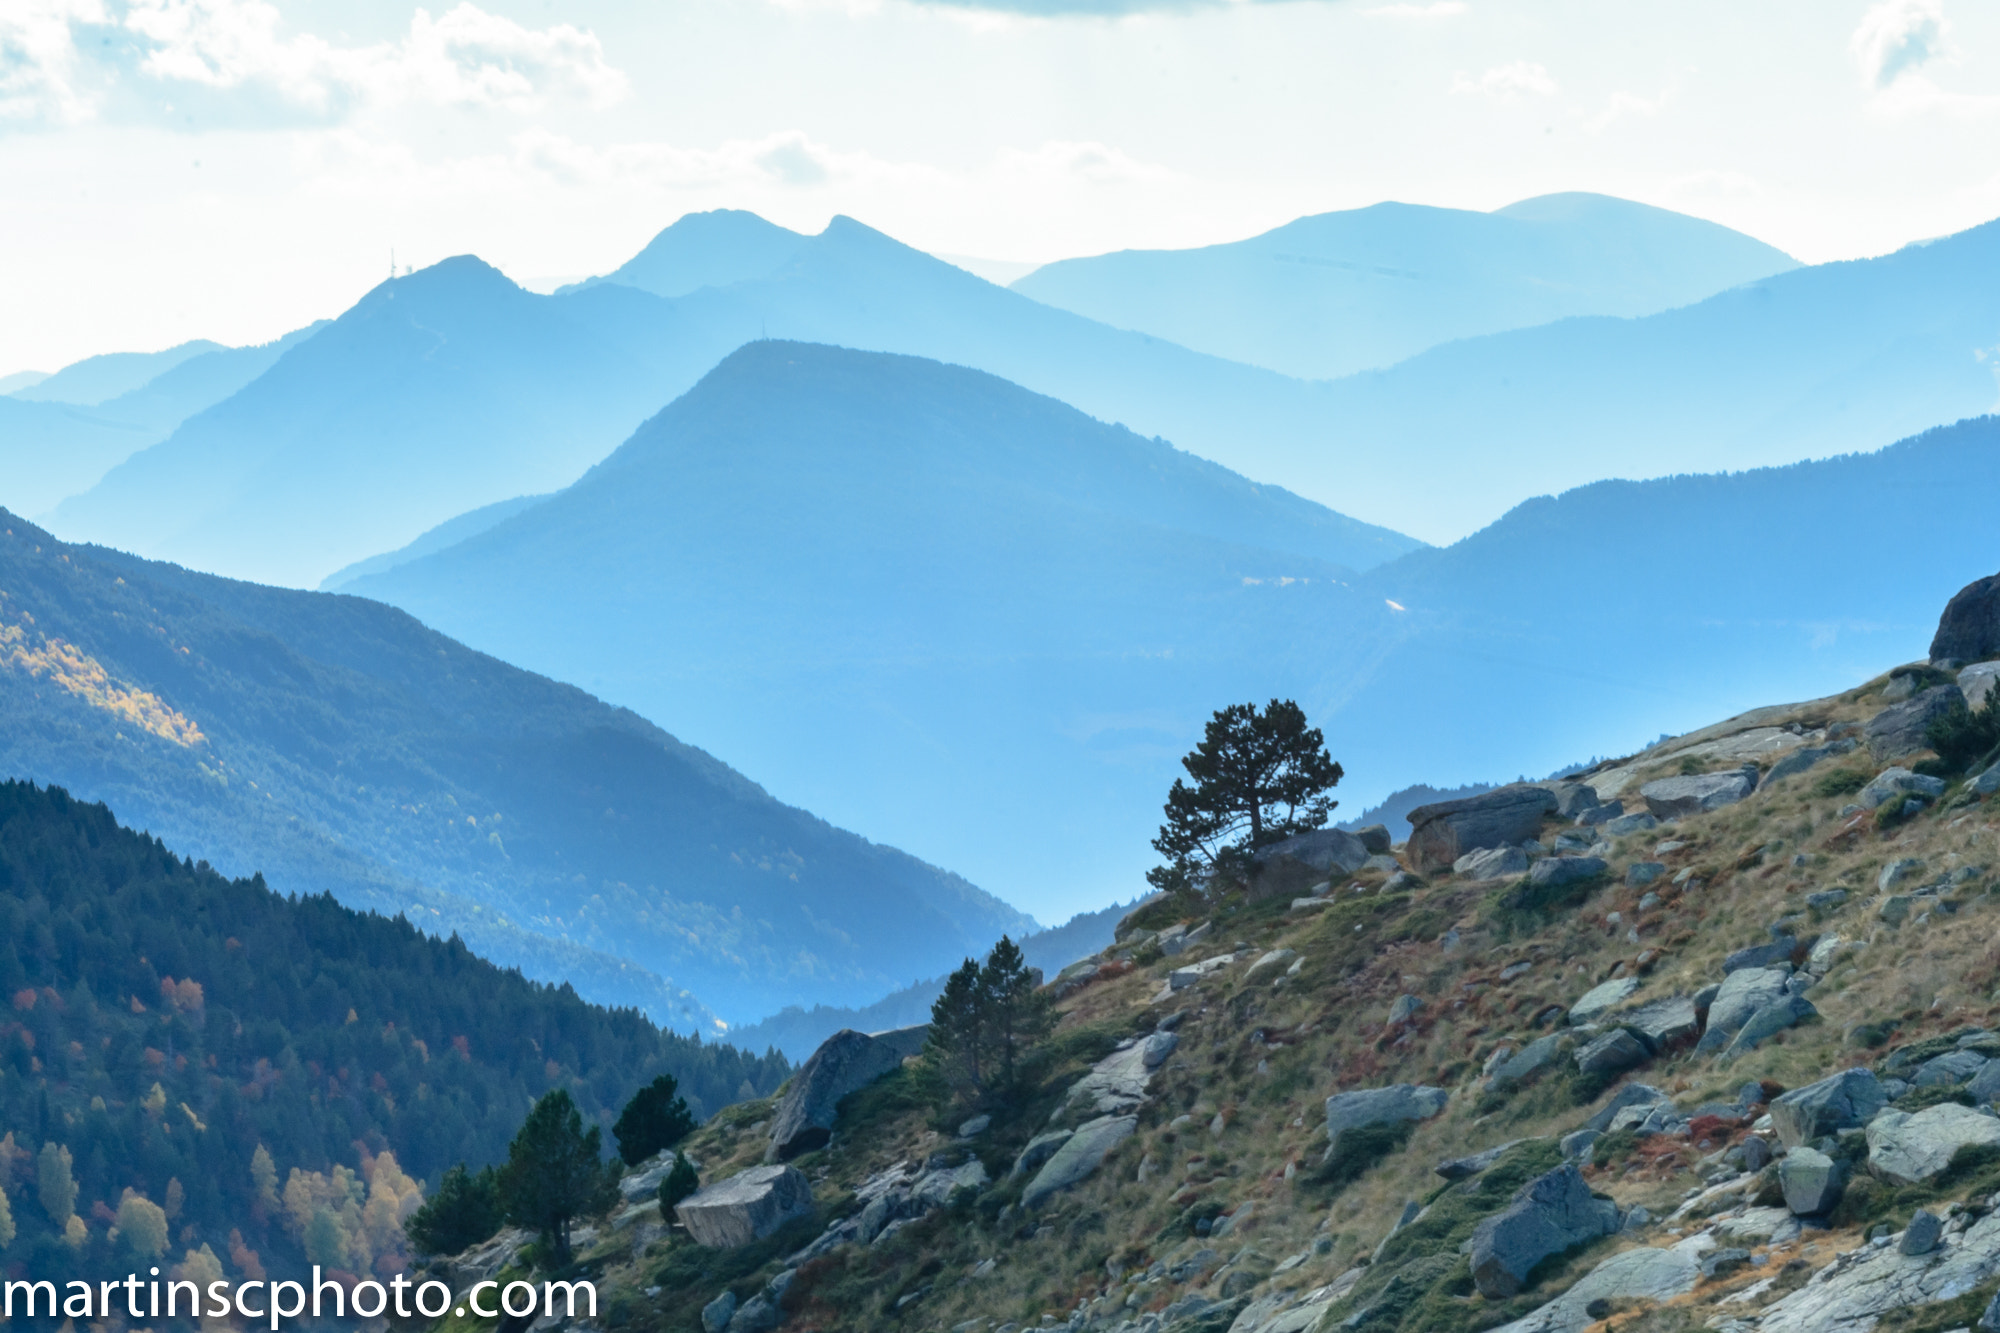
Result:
{"points": [[1859, 1287], [1900, 729], [1905, 1149], [1078, 1157], [1969, 629], [1549, 1215], [1845, 1100], [746, 1207], [845, 1062], [1443, 832], [1674, 798]]}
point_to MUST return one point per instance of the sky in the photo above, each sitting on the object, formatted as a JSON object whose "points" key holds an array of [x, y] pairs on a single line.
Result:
{"points": [[232, 169]]}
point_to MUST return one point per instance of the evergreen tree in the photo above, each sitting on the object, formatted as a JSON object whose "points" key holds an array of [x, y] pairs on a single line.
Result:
{"points": [[1017, 1014], [1260, 776], [957, 1041], [680, 1182], [465, 1211], [657, 1117], [553, 1173]]}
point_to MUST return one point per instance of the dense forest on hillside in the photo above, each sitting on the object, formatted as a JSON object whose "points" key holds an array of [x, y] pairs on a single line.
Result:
{"points": [[196, 1070]]}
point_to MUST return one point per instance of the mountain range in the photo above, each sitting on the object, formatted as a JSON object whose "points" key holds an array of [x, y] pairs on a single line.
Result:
{"points": [[969, 621], [922, 601], [340, 747], [1329, 295]]}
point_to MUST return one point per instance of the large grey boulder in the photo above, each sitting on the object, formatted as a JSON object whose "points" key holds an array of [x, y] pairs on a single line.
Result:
{"points": [[1761, 955], [1905, 1148], [1675, 798], [1442, 832], [1969, 629], [1773, 1018], [1079, 1157], [1531, 1059], [746, 1207], [1575, 798], [1985, 1085], [1899, 730], [1664, 1024], [1602, 999], [1812, 1181], [1374, 837], [1493, 863], [845, 1062], [1326, 849], [1378, 1106], [1040, 1148], [1612, 1052], [1846, 1100], [1742, 995], [1949, 1070], [715, 1315], [1554, 872], [1976, 682], [1896, 781], [1643, 1274], [1548, 1215]]}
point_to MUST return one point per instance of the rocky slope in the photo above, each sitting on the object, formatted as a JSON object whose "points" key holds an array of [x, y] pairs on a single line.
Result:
{"points": [[1703, 1038]]}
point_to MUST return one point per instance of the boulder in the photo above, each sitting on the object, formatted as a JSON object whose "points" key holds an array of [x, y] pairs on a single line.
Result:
{"points": [[1641, 873], [1531, 1059], [1377, 1106], [1555, 872], [1548, 1215], [1988, 782], [643, 1181], [1326, 849], [1897, 781], [1275, 958], [1442, 832], [1640, 822], [934, 1188], [1825, 900], [1464, 1168], [1905, 1148], [1675, 798], [1803, 758], [1601, 814], [1743, 993], [715, 1315], [845, 1062], [1493, 863], [1812, 1181], [1645, 1274], [1899, 730], [1631, 1096], [1611, 1053], [746, 1207], [1773, 1018], [1949, 1070], [1985, 1085], [1969, 629], [1078, 1157], [1663, 1024], [1760, 955], [1404, 1009], [759, 1314], [1923, 1233], [1039, 1150], [1575, 798], [1602, 999], [1375, 838], [1976, 682], [1899, 871], [1846, 1100]]}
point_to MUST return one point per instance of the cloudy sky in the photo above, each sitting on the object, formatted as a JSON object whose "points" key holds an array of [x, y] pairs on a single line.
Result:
{"points": [[233, 168]]}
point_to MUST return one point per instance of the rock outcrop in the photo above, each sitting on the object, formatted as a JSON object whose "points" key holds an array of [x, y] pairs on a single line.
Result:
{"points": [[1326, 850], [1378, 1106], [1899, 730], [1846, 1100], [1676, 798], [746, 1207], [1641, 1274], [1548, 1215], [1969, 629], [1078, 1157], [845, 1062], [1905, 1148], [1442, 832]]}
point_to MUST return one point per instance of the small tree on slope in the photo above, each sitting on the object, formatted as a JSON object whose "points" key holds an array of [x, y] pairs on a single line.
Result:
{"points": [[553, 1173], [1260, 776]]}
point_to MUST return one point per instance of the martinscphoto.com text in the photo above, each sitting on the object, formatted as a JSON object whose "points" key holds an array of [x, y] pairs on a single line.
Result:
{"points": [[135, 1297]]}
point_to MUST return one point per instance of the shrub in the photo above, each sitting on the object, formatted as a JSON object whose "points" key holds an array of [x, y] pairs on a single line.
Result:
{"points": [[1963, 737], [1840, 782], [680, 1182], [1360, 1148], [656, 1117], [464, 1211]]}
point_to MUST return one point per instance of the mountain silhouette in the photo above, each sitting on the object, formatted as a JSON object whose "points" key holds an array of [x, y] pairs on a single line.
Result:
{"points": [[338, 746], [913, 593], [1329, 295], [710, 249]]}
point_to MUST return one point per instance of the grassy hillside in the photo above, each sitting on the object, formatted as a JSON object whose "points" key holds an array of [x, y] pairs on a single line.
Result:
{"points": [[1223, 1209], [167, 1028], [340, 747]]}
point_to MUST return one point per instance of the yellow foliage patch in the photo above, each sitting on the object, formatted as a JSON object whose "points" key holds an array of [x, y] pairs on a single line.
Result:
{"points": [[84, 676]]}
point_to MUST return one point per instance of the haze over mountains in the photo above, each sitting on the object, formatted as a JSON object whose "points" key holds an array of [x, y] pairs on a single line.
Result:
{"points": [[338, 746], [1329, 295]]}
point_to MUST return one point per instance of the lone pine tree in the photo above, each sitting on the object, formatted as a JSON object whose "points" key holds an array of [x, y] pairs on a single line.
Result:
{"points": [[1260, 776]]}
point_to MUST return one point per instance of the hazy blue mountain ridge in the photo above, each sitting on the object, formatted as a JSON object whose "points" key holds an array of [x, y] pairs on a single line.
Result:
{"points": [[345, 748], [98, 379], [1336, 293], [710, 249], [965, 612]]}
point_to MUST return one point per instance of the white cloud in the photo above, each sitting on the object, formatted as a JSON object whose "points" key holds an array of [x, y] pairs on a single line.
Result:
{"points": [[60, 59], [1522, 78], [1899, 37], [1441, 9]]}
